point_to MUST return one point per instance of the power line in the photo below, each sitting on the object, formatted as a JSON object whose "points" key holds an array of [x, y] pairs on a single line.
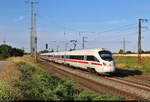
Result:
{"points": [[83, 42], [35, 39], [139, 40], [58, 24], [75, 30], [114, 29], [124, 45], [31, 33]]}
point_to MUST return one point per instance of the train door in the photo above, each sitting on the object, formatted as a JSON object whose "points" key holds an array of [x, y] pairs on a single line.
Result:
{"points": [[82, 63], [86, 66], [92, 62]]}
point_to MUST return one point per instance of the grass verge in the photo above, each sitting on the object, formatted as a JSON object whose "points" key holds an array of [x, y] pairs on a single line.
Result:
{"points": [[40, 85], [7, 92], [26, 80], [130, 63]]}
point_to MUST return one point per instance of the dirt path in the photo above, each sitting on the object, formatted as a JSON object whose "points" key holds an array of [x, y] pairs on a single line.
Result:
{"points": [[3, 65]]}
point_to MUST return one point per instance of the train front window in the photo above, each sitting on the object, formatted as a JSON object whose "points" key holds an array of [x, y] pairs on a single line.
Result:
{"points": [[106, 55]]}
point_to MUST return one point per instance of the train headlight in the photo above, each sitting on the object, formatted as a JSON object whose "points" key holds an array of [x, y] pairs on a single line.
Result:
{"points": [[104, 64]]}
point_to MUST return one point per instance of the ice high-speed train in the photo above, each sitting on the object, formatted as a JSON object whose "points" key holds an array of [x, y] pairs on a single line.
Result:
{"points": [[99, 60]]}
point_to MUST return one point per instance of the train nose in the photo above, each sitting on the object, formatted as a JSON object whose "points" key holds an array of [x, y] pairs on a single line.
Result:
{"points": [[107, 64], [109, 67]]}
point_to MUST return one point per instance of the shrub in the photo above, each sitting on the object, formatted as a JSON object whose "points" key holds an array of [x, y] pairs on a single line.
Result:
{"points": [[90, 96], [6, 92], [7, 51], [39, 85]]}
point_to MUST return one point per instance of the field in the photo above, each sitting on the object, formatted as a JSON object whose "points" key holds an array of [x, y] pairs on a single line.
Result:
{"points": [[26, 80], [134, 55], [130, 63]]}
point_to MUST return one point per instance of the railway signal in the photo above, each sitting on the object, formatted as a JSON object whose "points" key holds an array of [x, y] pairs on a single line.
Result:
{"points": [[46, 46]]}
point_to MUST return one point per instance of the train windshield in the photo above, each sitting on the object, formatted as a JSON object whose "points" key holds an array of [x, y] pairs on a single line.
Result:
{"points": [[106, 55]]}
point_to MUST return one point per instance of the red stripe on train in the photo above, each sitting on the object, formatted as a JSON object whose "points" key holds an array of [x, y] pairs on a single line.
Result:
{"points": [[69, 60], [96, 64], [74, 61]]}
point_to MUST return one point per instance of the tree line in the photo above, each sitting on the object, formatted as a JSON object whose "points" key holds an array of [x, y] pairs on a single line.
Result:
{"points": [[130, 52], [9, 51]]}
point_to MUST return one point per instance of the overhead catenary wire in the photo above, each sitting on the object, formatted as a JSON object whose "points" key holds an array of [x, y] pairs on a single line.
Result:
{"points": [[121, 28], [77, 31], [70, 30], [117, 29]]}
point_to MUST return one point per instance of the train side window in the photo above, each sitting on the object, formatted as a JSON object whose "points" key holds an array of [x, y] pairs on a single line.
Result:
{"points": [[66, 57], [80, 57], [92, 58], [77, 57], [72, 57]]}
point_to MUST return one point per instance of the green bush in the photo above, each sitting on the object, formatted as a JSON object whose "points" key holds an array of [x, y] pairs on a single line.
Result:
{"points": [[7, 51], [90, 96], [6, 92], [17, 52], [39, 85]]}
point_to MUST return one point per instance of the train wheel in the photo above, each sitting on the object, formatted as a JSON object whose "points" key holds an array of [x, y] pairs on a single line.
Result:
{"points": [[92, 70]]}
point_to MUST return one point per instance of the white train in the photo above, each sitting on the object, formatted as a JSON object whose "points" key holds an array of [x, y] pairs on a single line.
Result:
{"points": [[99, 60]]}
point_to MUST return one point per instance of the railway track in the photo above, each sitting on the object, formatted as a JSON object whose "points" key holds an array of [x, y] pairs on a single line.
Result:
{"points": [[146, 78], [87, 82], [132, 83], [138, 80], [140, 89]]}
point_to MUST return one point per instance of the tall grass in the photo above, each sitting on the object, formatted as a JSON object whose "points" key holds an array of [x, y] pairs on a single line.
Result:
{"points": [[29, 81], [40, 85], [7, 93], [130, 62]]}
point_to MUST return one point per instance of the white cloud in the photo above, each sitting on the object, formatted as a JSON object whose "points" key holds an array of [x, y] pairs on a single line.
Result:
{"points": [[116, 21], [20, 18]]}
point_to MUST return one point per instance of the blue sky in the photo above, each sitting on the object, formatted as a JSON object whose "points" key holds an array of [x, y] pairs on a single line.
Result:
{"points": [[104, 22]]}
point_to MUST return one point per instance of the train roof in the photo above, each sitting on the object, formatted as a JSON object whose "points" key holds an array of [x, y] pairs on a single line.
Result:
{"points": [[79, 52]]}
